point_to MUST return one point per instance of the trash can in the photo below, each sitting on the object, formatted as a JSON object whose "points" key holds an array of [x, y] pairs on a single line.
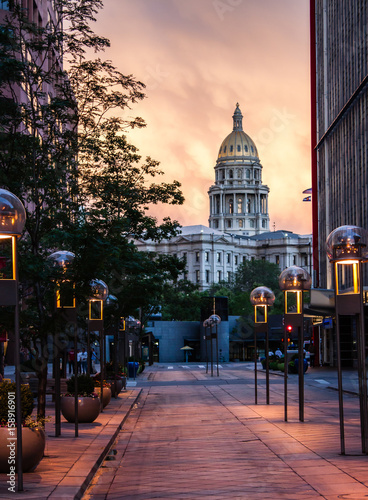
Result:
{"points": [[133, 368]]}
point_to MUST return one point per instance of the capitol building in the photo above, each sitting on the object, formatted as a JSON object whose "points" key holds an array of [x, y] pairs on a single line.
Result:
{"points": [[238, 220]]}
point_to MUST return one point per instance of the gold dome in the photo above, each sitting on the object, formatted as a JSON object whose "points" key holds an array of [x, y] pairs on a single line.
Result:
{"points": [[237, 144]]}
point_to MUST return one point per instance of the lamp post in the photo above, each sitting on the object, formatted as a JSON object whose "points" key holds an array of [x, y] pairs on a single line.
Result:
{"points": [[99, 293], [12, 221], [261, 297], [206, 338], [347, 248], [294, 281], [65, 308], [214, 320], [112, 303]]}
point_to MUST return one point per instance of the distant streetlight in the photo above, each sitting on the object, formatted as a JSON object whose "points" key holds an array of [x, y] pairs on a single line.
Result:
{"points": [[214, 320], [12, 221], [206, 325], [99, 293], [294, 281], [261, 298], [347, 249], [113, 304]]}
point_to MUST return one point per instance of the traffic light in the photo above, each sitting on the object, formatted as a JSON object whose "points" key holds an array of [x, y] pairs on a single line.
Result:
{"points": [[289, 328]]}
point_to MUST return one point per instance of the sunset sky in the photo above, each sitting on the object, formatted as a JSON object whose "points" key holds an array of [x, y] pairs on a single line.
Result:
{"points": [[198, 58]]}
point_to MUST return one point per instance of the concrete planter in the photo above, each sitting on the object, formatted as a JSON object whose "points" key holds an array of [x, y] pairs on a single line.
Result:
{"points": [[106, 395], [88, 409], [33, 446]]}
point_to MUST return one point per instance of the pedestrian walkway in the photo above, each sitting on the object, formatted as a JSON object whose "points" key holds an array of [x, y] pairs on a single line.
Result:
{"points": [[187, 435], [199, 442], [70, 462]]}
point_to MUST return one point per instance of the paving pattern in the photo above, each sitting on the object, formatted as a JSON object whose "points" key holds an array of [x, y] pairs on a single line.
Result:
{"points": [[191, 439]]}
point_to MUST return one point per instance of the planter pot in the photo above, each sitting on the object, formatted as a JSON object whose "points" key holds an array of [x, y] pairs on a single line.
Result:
{"points": [[106, 395], [116, 385], [33, 446], [88, 409]]}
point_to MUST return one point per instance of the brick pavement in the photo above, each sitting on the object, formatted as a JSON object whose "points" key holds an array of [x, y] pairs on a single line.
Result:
{"points": [[212, 442], [69, 462]]}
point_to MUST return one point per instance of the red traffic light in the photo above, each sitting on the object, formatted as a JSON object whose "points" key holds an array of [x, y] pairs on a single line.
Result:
{"points": [[289, 328]]}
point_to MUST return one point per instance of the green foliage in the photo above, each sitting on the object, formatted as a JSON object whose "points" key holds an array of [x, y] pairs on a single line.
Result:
{"points": [[254, 273], [86, 384], [26, 400], [181, 301], [85, 188]]}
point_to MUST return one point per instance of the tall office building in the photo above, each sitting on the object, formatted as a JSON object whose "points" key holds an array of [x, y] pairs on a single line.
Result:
{"points": [[339, 83]]}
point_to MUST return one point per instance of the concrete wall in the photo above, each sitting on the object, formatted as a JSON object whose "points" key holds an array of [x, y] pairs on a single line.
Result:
{"points": [[171, 336]]}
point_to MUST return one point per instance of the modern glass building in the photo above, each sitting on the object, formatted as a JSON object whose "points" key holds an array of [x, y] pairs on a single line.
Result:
{"points": [[339, 90]]}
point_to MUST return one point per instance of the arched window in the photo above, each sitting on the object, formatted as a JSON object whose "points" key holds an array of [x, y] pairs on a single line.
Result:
{"points": [[239, 148], [246, 148], [247, 174], [231, 206]]}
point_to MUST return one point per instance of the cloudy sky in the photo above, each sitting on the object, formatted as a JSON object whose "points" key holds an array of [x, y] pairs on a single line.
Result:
{"points": [[198, 58]]}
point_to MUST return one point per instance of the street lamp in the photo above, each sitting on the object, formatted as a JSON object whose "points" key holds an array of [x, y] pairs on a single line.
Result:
{"points": [[65, 307], [206, 325], [99, 293], [294, 281], [113, 304], [214, 320], [347, 249], [261, 298], [12, 221]]}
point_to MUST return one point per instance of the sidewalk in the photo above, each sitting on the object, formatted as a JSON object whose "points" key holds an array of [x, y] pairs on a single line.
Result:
{"points": [[69, 462]]}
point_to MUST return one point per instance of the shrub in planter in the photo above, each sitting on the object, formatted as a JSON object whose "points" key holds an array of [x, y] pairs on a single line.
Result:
{"points": [[33, 435], [26, 400], [86, 385], [88, 400]]}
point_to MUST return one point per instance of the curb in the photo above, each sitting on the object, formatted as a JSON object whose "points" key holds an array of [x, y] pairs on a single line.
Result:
{"points": [[105, 451]]}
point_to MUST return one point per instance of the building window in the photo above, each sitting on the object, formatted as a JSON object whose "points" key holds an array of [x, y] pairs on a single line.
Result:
{"points": [[228, 258], [251, 223], [215, 223], [240, 223], [231, 148], [236, 260], [252, 149], [231, 174], [207, 256], [294, 260], [305, 259], [197, 256], [207, 276], [247, 173], [277, 259], [246, 148], [228, 222], [231, 206], [239, 148], [240, 205], [219, 276], [224, 149], [197, 276], [244, 258], [185, 256], [218, 257]]}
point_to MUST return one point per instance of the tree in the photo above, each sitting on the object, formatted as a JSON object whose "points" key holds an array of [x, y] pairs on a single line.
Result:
{"points": [[254, 273], [56, 128]]}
